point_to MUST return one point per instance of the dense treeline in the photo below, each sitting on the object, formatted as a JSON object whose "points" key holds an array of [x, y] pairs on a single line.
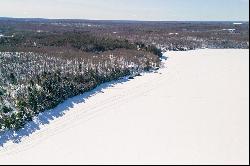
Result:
{"points": [[81, 41], [39, 70], [31, 83]]}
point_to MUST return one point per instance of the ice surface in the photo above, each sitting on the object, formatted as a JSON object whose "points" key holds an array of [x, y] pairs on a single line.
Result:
{"points": [[193, 111]]}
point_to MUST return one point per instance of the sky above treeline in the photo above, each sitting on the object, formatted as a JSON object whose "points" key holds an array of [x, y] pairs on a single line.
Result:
{"points": [[151, 10]]}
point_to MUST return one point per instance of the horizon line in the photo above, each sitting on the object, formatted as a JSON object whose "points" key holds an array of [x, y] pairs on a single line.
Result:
{"points": [[43, 18]]}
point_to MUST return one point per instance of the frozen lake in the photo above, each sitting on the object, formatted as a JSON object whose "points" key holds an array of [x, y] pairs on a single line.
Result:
{"points": [[193, 111]]}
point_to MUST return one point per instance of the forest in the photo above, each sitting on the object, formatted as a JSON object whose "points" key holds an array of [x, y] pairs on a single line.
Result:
{"points": [[31, 83], [38, 71]]}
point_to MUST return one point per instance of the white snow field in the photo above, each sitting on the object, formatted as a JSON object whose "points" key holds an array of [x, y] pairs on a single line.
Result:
{"points": [[193, 111]]}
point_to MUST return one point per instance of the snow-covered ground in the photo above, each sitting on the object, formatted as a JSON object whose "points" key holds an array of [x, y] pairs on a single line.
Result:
{"points": [[193, 111]]}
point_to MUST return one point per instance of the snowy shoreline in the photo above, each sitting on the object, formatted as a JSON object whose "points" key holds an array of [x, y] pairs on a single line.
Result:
{"points": [[193, 111]]}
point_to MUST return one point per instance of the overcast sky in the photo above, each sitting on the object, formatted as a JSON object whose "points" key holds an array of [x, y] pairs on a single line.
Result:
{"points": [[168, 10]]}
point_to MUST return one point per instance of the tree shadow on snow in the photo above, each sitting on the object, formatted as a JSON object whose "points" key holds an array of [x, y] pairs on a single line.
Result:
{"points": [[46, 117]]}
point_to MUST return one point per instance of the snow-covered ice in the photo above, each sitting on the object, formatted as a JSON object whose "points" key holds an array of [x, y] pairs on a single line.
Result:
{"points": [[237, 23], [193, 111]]}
